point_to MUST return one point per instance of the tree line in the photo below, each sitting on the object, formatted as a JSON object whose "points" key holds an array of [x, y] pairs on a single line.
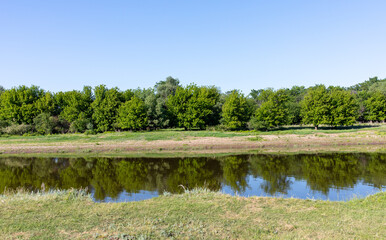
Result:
{"points": [[32, 110]]}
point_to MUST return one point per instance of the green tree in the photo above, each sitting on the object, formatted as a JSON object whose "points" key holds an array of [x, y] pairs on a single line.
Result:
{"points": [[379, 86], [295, 96], [193, 106], [316, 106], [75, 102], [132, 114], [376, 107], [45, 104], [344, 108], [272, 113], [105, 107], [163, 90], [235, 111], [365, 86], [262, 95], [149, 99], [18, 105]]}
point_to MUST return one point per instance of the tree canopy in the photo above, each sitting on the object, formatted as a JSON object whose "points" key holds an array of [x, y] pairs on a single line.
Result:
{"points": [[32, 110]]}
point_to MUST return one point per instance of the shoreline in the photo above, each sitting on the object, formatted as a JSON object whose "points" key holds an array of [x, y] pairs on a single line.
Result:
{"points": [[121, 145]]}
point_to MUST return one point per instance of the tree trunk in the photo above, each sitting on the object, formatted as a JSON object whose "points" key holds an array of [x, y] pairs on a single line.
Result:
{"points": [[316, 127]]}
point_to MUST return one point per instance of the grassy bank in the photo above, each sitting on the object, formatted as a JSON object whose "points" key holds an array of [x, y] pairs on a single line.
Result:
{"points": [[197, 214], [186, 143]]}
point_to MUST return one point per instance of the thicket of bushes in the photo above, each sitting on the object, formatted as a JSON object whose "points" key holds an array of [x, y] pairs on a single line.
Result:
{"points": [[31, 110]]}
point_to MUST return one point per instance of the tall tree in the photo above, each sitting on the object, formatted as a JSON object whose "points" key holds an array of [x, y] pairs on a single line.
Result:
{"points": [[295, 96], [272, 113], [235, 111], [316, 106], [149, 99], [75, 103], [192, 106], [376, 107], [163, 90], [262, 95], [18, 105], [344, 108], [105, 107], [132, 115]]}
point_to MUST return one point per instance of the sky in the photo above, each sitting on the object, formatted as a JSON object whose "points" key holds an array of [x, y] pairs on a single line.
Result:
{"points": [[63, 45]]}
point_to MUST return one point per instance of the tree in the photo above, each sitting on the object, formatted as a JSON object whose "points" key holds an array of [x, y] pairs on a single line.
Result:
{"points": [[235, 111], [132, 114], [272, 113], [163, 90], [75, 102], [18, 105], [344, 108], [150, 101], [364, 86], [193, 106], [379, 86], [316, 106], [45, 104], [105, 107], [262, 95], [376, 107], [295, 96]]}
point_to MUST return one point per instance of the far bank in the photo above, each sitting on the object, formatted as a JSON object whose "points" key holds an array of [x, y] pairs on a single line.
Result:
{"points": [[177, 142]]}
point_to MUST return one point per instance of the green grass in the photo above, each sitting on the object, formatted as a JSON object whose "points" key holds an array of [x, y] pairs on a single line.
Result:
{"points": [[197, 214], [179, 134], [119, 136]]}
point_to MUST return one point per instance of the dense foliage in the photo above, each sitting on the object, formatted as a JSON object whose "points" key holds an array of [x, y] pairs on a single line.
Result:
{"points": [[31, 110]]}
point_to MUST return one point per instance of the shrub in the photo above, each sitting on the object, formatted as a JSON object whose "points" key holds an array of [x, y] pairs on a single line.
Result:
{"points": [[16, 129], [44, 124], [81, 125]]}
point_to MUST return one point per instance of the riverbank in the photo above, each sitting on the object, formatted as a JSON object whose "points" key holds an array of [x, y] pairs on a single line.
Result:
{"points": [[171, 142], [195, 214]]}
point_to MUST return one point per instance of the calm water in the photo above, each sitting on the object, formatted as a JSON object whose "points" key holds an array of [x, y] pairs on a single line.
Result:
{"points": [[314, 176]]}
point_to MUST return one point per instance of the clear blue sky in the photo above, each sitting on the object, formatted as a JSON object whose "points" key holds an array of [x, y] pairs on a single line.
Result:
{"points": [[64, 44]]}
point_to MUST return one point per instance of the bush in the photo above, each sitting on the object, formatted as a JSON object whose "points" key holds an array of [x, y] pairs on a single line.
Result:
{"points": [[3, 125], [44, 124], [61, 124], [16, 129], [255, 124], [81, 125]]}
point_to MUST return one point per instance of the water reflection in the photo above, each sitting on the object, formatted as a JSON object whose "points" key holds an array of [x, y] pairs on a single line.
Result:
{"points": [[311, 175]]}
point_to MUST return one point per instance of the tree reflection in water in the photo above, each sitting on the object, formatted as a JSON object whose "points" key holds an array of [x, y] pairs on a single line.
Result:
{"points": [[108, 177]]}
